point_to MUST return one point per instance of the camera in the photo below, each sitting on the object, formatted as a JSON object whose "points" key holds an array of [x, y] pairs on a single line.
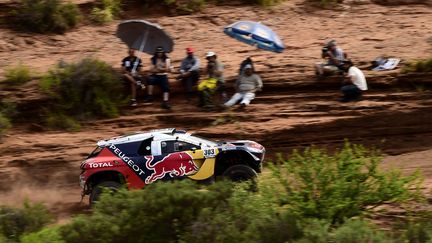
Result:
{"points": [[325, 50]]}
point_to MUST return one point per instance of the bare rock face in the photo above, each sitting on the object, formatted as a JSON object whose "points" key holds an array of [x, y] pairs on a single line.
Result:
{"points": [[402, 2]]}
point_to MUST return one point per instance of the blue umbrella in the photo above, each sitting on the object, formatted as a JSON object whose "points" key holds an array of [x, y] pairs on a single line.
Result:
{"points": [[255, 33]]}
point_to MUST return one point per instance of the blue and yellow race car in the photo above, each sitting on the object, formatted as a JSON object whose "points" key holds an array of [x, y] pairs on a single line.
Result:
{"points": [[143, 158]]}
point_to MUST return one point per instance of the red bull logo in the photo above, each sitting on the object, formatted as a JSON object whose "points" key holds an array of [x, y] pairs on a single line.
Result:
{"points": [[175, 165]]}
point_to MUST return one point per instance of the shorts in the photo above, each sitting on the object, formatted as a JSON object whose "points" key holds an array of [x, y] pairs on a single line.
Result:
{"points": [[159, 80]]}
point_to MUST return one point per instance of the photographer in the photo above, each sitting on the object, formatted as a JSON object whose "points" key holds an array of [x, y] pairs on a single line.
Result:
{"points": [[335, 57]]}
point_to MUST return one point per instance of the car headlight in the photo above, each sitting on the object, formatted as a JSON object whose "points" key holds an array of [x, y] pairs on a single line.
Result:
{"points": [[254, 147]]}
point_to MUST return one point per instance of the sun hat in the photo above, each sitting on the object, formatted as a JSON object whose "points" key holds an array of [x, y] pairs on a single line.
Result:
{"points": [[210, 54]]}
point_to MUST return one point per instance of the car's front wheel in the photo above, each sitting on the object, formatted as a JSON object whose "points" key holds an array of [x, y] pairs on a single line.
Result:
{"points": [[240, 173], [99, 188]]}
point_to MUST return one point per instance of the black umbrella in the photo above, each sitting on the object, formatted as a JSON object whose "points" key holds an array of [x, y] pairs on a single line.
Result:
{"points": [[144, 36]]}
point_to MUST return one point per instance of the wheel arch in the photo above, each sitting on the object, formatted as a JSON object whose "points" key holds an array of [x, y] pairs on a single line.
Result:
{"points": [[106, 175], [226, 159]]}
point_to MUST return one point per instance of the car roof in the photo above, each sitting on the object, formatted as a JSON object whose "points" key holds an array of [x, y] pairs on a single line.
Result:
{"points": [[160, 134]]}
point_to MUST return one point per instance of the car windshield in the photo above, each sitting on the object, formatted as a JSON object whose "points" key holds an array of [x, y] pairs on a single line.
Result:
{"points": [[203, 141], [95, 152]]}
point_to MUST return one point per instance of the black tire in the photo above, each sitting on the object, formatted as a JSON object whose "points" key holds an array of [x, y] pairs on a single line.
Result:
{"points": [[98, 189], [241, 172]]}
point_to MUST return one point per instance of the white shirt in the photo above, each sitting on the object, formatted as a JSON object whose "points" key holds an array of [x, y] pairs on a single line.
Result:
{"points": [[357, 78], [162, 65]]}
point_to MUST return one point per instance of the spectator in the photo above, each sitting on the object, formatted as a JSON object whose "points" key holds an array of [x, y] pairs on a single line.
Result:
{"points": [[355, 84], [207, 87], [131, 66], [161, 66], [189, 70], [334, 55], [217, 73], [246, 86], [245, 62]]}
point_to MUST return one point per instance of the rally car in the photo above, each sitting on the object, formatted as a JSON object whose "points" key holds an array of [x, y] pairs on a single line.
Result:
{"points": [[146, 157]]}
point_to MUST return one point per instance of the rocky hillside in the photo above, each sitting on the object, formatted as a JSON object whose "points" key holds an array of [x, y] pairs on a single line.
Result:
{"points": [[294, 109]]}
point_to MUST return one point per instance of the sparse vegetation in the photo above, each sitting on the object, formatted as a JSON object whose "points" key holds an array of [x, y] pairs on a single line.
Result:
{"points": [[106, 11], [224, 212], [14, 222], [80, 91], [17, 75], [185, 7], [46, 16], [341, 186], [4, 124], [7, 111], [420, 66], [192, 6]]}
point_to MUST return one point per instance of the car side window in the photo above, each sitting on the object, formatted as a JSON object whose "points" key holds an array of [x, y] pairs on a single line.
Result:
{"points": [[176, 146], [145, 147], [184, 146]]}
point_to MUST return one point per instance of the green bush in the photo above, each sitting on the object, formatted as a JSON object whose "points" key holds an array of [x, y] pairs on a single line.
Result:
{"points": [[246, 217], [417, 228], [340, 186], [312, 197], [360, 232], [421, 66], [159, 213], [46, 235], [84, 90], [7, 111], [4, 124], [15, 222], [62, 122], [106, 11], [45, 16], [17, 75]]}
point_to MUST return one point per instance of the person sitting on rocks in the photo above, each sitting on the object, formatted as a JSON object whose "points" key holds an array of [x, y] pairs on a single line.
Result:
{"points": [[131, 66], [218, 73], [246, 86], [161, 66], [189, 72], [215, 82], [355, 83], [334, 56], [208, 87]]}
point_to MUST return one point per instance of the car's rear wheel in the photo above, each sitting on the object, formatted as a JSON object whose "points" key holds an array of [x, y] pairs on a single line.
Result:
{"points": [[240, 173], [113, 186]]}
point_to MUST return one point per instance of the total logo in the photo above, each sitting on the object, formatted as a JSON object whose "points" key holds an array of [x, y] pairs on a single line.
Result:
{"points": [[100, 165]]}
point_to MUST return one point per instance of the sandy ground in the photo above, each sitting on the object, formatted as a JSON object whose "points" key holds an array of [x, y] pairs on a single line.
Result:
{"points": [[294, 110]]}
